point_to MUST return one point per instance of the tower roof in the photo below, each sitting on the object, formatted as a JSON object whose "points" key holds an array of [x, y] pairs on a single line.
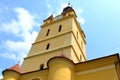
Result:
{"points": [[15, 68], [66, 9]]}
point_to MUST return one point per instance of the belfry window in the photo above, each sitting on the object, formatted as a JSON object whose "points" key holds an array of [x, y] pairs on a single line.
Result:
{"points": [[48, 45], [60, 27], [48, 31]]}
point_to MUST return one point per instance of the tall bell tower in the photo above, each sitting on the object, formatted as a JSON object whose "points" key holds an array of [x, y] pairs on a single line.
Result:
{"points": [[59, 36]]}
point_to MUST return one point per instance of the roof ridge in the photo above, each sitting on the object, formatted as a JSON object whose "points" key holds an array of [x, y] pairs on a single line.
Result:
{"points": [[16, 68]]}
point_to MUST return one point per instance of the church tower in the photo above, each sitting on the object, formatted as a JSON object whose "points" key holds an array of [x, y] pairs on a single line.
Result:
{"points": [[59, 53], [59, 36]]}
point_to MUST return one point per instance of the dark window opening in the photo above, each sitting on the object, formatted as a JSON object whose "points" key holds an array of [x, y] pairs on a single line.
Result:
{"points": [[48, 31], [60, 27], [69, 14], [41, 66], [48, 45], [77, 34]]}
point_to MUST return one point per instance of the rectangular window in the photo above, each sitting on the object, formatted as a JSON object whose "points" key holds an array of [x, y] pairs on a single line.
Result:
{"points": [[60, 27], [48, 45], [48, 31]]}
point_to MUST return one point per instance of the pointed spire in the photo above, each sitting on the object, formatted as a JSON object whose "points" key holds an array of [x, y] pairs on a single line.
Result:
{"points": [[15, 68], [67, 9]]}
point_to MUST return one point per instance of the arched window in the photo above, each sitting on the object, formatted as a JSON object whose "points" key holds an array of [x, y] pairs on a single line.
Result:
{"points": [[48, 45], [48, 31], [41, 66], [60, 28]]}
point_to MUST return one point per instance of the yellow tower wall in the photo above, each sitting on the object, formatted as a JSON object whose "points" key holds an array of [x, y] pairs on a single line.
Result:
{"points": [[79, 37], [42, 59], [77, 51], [55, 43], [54, 26]]}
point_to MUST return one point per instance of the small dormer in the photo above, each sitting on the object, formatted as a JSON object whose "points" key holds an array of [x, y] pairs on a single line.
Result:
{"points": [[68, 11], [48, 20]]}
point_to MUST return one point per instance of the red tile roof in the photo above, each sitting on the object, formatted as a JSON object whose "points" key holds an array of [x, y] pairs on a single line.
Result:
{"points": [[15, 68]]}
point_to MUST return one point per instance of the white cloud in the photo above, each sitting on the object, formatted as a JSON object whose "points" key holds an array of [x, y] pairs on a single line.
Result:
{"points": [[17, 46], [81, 20], [24, 23], [11, 27], [29, 37], [22, 27], [8, 56], [25, 19], [50, 9], [13, 56], [79, 12], [1, 77]]}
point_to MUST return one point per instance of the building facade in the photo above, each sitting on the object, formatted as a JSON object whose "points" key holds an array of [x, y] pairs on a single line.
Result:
{"points": [[59, 53]]}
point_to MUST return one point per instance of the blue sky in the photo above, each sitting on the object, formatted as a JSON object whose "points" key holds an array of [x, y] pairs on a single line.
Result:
{"points": [[20, 22]]}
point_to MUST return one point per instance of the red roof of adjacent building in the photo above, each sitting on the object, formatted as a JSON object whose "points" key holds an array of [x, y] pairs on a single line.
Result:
{"points": [[15, 68]]}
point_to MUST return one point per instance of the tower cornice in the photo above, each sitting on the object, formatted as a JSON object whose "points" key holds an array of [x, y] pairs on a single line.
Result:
{"points": [[63, 18]]}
